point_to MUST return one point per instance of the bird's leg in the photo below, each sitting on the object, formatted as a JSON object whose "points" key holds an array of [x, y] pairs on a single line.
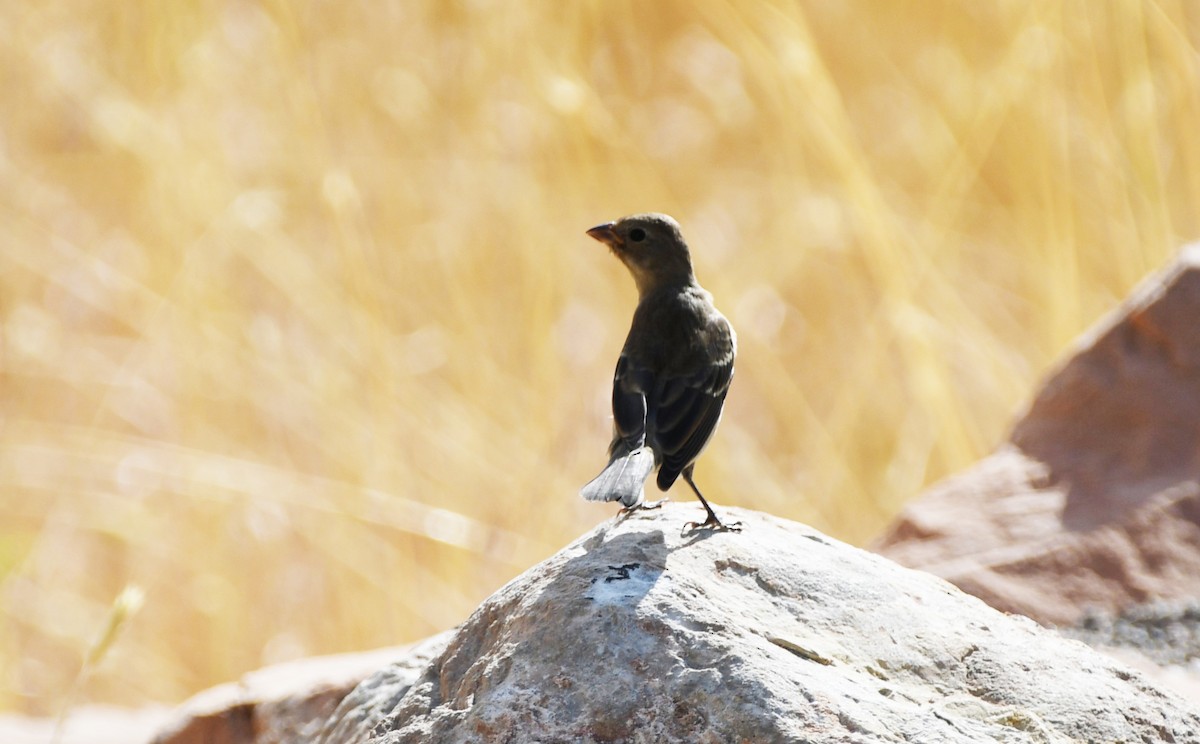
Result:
{"points": [[712, 522], [643, 506]]}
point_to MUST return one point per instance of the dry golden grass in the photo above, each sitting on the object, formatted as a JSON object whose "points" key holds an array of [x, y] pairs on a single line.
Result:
{"points": [[302, 336]]}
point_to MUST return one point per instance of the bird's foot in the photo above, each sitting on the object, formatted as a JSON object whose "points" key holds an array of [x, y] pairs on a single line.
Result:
{"points": [[714, 524]]}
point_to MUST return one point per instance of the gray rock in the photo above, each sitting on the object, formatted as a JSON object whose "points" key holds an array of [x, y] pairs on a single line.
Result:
{"points": [[1166, 632], [364, 707], [638, 633]]}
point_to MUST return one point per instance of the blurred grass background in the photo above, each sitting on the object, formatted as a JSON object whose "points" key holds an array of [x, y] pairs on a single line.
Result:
{"points": [[300, 332]]}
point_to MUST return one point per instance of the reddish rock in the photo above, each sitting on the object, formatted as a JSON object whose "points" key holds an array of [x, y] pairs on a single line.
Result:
{"points": [[1094, 501], [287, 703]]}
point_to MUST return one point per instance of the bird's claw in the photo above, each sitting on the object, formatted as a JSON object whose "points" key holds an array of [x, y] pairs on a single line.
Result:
{"points": [[712, 523]]}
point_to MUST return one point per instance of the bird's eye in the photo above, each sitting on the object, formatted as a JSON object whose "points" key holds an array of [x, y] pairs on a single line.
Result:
{"points": [[637, 234]]}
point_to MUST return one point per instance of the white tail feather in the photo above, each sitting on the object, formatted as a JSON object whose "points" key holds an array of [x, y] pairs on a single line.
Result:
{"points": [[622, 480]]}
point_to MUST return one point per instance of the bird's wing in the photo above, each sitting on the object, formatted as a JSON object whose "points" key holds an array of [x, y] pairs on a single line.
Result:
{"points": [[630, 384], [685, 413]]}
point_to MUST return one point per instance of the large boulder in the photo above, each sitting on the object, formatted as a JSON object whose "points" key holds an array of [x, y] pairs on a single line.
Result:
{"points": [[643, 632], [1092, 506]]}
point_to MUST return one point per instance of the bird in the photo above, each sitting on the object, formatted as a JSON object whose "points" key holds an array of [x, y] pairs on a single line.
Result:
{"points": [[673, 373]]}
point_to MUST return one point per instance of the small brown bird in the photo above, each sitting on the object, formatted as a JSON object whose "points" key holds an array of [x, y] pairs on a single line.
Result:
{"points": [[674, 370]]}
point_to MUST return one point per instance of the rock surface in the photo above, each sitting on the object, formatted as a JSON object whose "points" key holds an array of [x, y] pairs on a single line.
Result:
{"points": [[287, 703], [1093, 505], [638, 632]]}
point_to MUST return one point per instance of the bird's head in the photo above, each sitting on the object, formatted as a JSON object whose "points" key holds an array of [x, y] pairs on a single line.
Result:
{"points": [[651, 246]]}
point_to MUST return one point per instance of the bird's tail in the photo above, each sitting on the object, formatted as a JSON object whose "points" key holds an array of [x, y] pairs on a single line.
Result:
{"points": [[622, 480]]}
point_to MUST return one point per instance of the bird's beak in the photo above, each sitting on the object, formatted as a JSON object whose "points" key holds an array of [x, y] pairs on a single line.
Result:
{"points": [[605, 234]]}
